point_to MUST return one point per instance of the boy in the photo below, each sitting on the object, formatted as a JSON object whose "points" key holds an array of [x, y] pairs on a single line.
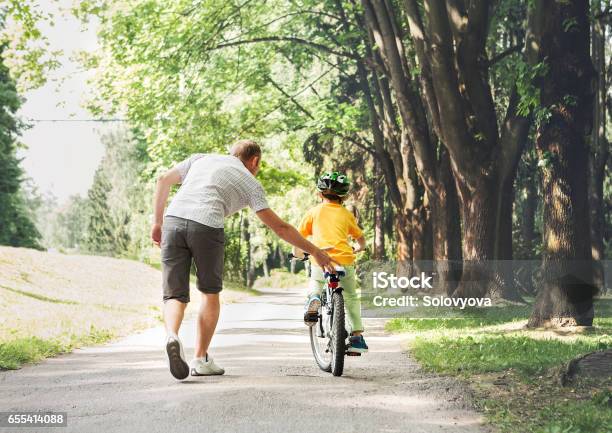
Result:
{"points": [[330, 224]]}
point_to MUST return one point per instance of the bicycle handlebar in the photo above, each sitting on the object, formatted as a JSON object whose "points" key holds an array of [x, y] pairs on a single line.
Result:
{"points": [[292, 257]]}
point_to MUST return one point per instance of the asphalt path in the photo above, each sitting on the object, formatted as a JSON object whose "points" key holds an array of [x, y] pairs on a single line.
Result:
{"points": [[272, 383]]}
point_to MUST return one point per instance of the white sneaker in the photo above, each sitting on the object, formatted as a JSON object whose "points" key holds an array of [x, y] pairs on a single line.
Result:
{"points": [[176, 358], [202, 367]]}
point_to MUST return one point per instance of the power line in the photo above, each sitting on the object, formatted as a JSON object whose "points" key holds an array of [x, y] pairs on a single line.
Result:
{"points": [[78, 120]]}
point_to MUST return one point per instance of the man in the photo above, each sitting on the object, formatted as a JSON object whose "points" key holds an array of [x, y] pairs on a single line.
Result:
{"points": [[212, 188]]}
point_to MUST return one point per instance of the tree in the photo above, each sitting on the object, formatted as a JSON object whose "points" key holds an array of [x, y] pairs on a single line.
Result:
{"points": [[17, 228], [118, 203], [436, 98], [25, 47], [561, 30], [69, 225], [456, 99], [599, 145], [100, 237]]}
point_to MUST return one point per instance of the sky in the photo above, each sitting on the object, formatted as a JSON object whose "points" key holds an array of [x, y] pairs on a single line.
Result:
{"points": [[61, 157]]}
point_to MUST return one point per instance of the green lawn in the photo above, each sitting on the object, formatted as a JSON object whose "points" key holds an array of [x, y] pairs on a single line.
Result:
{"points": [[514, 372], [25, 350]]}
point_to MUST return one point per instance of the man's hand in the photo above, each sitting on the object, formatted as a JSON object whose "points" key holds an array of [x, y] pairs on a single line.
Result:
{"points": [[324, 260], [156, 232], [361, 245]]}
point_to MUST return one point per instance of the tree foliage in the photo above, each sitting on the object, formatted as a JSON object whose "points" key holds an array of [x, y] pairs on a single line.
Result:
{"points": [[26, 52], [17, 227], [424, 95]]}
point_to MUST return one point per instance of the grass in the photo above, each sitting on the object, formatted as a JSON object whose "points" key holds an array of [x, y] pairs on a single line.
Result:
{"points": [[23, 350], [67, 301], [39, 297], [51, 303], [581, 413], [514, 372], [457, 319], [491, 353]]}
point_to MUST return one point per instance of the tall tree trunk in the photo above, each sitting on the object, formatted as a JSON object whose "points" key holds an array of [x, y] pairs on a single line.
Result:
{"points": [[403, 229], [379, 211], [478, 215], [566, 297], [446, 230], [417, 153], [421, 232], [529, 205], [504, 263], [527, 217], [599, 154], [483, 156], [266, 269]]}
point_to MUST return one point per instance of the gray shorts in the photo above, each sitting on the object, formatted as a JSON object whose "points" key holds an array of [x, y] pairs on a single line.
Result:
{"points": [[183, 241]]}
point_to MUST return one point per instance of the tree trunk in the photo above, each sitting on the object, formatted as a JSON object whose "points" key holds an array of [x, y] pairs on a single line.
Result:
{"points": [[504, 263], [446, 230], [379, 213], [478, 206], [403, 229], [528, 236], [421, 234], [529, 192], [596, 204], [266, 269], [599, 153], [566, 298]]}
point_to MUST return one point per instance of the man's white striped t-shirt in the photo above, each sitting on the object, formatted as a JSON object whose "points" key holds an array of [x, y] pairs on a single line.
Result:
{"points": [[214, 187]]}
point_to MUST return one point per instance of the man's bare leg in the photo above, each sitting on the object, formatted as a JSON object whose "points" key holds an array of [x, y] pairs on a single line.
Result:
{"points": [[174, 311], [173, 315], [208, 317]]}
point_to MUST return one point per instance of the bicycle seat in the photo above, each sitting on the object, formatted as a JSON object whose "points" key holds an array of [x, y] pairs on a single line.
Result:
{"points": [[340, 272]]}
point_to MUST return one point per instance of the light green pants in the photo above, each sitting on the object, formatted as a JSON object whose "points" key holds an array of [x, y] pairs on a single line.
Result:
{"points": [[352, 302]]}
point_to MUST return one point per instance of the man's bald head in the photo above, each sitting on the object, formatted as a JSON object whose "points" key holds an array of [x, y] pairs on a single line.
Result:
{"points": [[249, 152], [245, 150]]}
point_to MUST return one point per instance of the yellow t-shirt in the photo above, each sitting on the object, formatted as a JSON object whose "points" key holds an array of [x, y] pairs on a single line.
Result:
{"points": [[330, 225]]}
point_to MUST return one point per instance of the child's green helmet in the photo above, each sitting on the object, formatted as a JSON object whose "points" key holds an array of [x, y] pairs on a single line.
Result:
{"points": [[334, 183]]}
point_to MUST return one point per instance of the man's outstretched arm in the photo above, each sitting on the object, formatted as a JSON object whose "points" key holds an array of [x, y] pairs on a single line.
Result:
{"points": [[162, 190], [288, 233]]}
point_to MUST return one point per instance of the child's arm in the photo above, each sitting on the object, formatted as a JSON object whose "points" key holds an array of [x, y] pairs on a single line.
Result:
{"points": [[361, 244]]}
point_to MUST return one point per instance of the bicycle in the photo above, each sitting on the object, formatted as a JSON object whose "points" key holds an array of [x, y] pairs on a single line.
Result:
{"points": [[328, 335]]}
